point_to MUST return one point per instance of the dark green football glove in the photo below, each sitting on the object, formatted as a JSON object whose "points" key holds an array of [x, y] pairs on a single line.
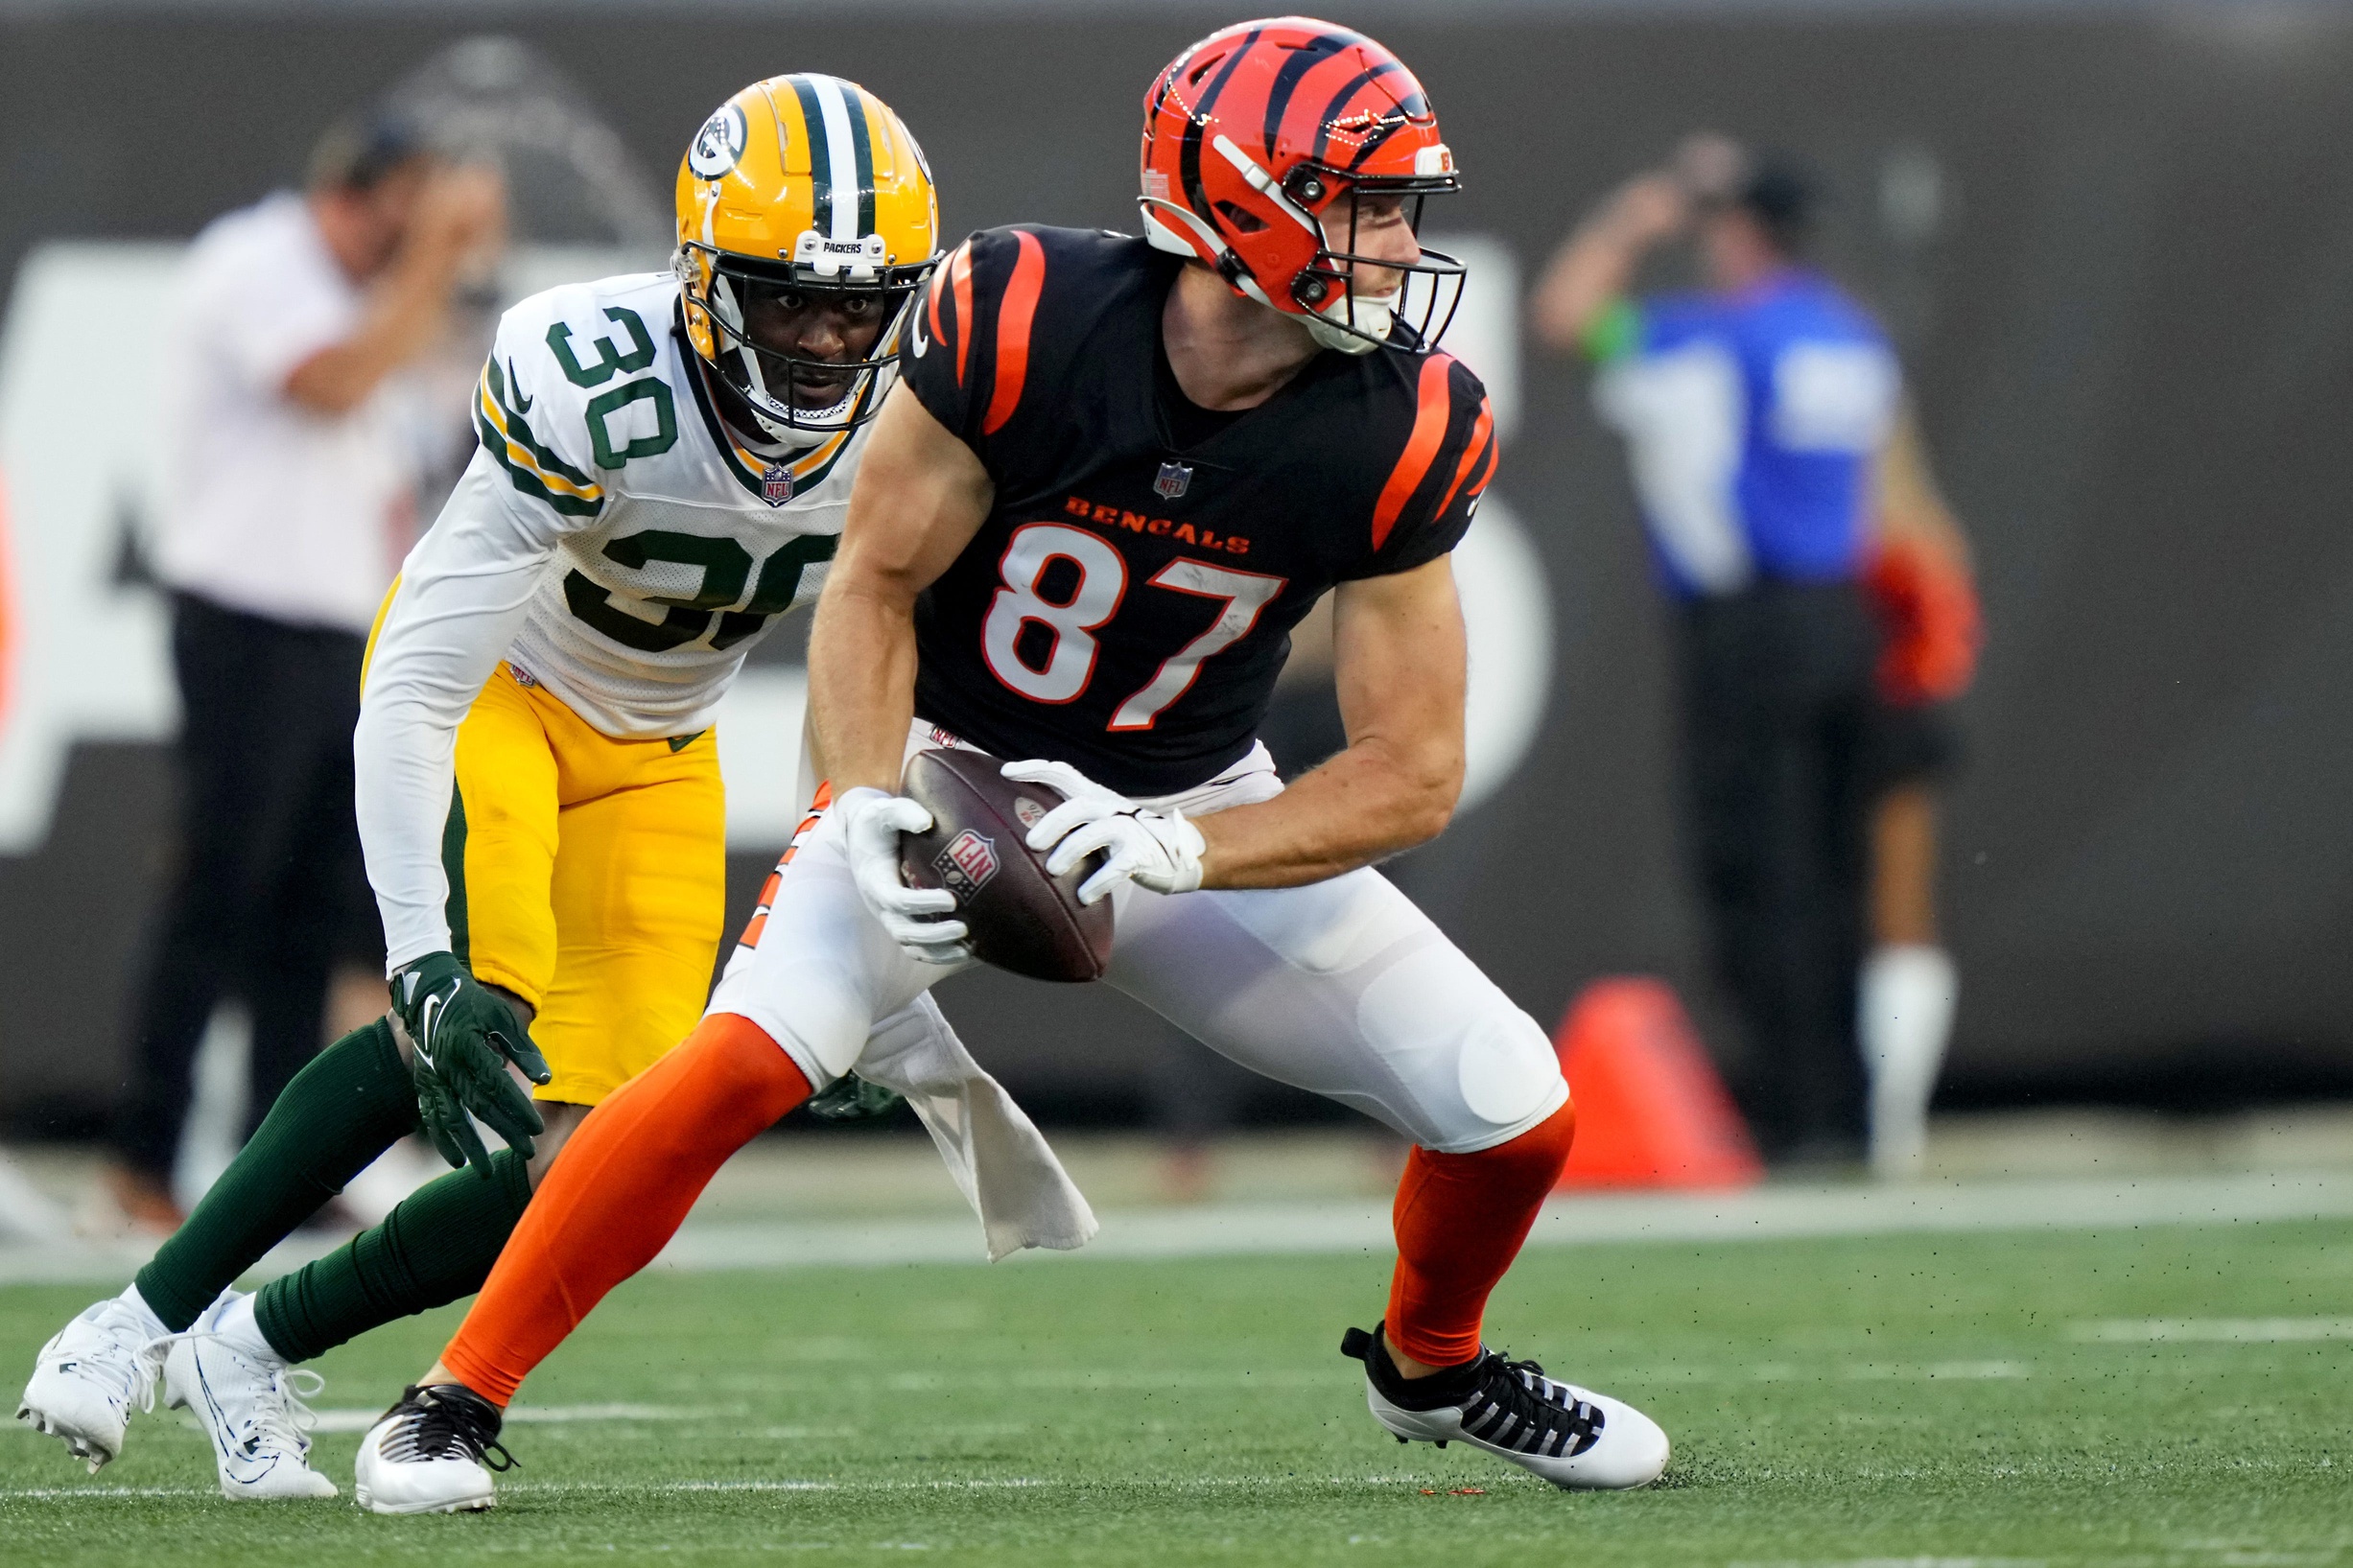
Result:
{"points": [[464, 1037], [851, 1098]]}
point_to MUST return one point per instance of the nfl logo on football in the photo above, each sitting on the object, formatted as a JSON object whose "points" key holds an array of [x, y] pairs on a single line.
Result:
{"points": [[1174, 478], [966, 864], [776, 485]]}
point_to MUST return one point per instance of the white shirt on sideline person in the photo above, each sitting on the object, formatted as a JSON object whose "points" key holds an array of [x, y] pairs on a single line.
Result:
{"points": [[274, 509]]}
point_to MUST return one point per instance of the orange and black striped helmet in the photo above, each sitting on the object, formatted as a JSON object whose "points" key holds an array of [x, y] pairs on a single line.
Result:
{"points": [[1255, 141], [805, 185]]}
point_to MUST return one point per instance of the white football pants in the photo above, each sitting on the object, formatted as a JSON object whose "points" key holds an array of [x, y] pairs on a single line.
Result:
{"points": [[1340, 987]]}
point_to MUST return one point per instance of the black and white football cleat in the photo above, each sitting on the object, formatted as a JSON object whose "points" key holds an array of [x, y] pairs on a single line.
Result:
{"points": [[433, 1453], [1571, 1437]]}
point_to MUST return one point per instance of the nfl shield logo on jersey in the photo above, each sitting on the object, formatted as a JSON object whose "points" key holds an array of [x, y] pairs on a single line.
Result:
{"points": [[1174, 480], [776, 485]]}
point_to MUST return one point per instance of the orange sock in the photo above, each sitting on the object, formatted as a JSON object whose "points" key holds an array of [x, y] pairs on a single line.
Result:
{"points": [[1460, 1220], [620, 1192]]}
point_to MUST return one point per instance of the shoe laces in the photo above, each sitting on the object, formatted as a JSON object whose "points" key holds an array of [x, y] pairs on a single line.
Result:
{"points": [[282, 1418], [277, 1415], [130, 1379], [431, 1422], [1519, 1407]]}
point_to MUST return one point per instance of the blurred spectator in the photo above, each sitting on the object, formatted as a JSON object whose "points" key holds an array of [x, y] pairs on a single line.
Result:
{"points": [[291, 501], [1753, 411], [1920, 582]]}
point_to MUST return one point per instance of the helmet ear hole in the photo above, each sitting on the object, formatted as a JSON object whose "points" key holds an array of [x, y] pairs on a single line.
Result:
{"points": [[1241, 218]]}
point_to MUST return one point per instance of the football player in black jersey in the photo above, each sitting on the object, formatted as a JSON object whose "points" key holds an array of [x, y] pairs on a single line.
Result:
{"points": [[1116, 473]]}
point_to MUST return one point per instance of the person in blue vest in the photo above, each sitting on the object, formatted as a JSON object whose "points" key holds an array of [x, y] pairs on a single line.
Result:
{"points": [[1752, 411]]}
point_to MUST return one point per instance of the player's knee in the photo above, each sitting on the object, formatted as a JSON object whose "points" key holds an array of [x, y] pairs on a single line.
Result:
{"points": [[826, 1022], [1506, 1067], [1478, 1068]]}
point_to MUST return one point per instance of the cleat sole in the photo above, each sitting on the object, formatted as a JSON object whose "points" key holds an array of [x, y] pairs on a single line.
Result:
{"points": [[77, 1446]]}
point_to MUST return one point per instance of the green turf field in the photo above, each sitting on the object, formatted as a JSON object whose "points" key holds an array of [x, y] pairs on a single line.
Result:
{"points": [[1923, 1399]]}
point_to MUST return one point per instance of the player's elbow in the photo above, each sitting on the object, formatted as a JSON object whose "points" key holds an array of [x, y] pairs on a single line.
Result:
{"points": [[1430, 782], [860, 597]]}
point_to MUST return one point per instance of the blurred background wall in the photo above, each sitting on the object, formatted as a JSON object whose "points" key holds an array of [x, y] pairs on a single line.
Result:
{"points": [[2115, 245]]}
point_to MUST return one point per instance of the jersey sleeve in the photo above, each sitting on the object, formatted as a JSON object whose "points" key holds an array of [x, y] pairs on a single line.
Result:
{"points": [[1434, 486], [531, 421], [967, 357], [462, 595]]}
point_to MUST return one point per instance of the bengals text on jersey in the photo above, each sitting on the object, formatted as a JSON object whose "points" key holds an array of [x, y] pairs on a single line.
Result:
{"points": [[1128, 602]]}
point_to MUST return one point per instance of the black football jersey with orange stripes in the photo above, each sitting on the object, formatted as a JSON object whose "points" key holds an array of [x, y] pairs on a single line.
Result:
{"points": [[1129, 601]]}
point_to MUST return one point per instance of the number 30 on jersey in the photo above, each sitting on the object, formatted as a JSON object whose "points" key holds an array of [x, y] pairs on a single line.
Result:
{"points": [[1069, 664]]}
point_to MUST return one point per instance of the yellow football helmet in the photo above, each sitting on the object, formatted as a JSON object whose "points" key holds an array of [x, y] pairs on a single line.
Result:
{"points": [[798, 185]]}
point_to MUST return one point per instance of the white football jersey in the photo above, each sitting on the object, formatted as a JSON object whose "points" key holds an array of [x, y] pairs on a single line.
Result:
{"points": [[674, 547], [611, 540]]}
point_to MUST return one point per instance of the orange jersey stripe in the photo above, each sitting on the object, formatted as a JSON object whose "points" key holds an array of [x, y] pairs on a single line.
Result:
{"points": [[960, 279], [939, 285], [1013, 318], [1429, 432], [1473, 450]]}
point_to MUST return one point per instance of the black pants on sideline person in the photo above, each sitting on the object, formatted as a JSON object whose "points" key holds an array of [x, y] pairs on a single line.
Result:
{"points": [[1777, 710], [268, 891]]}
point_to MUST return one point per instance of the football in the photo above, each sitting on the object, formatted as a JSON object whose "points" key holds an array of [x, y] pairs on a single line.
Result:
{"points": [[1022, 919]]}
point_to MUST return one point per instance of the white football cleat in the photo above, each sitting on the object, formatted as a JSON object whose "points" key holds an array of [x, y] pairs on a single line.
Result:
{"points": [[89, 1377], [1572, 1437], [433, 1453], [249, 1406]]}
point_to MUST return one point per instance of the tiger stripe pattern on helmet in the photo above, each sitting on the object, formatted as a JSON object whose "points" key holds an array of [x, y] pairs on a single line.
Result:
{"points": [[1259, 134]]}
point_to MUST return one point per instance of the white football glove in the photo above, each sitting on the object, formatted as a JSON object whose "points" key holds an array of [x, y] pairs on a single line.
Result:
{"points": [[1156, 850], [873, 820]]}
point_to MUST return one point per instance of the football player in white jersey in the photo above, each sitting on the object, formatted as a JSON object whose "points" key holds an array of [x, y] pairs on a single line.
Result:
{"points": [[666, 459]]}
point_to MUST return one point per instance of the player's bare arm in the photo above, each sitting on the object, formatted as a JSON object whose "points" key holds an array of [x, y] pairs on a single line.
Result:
{"points": [[1398, 660], [919, 498]]}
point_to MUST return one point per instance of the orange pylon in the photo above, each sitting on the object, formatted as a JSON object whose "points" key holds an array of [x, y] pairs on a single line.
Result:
{"points": [[1651, 1110]]}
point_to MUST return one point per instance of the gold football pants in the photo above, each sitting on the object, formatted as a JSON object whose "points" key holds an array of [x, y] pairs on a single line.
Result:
{"points": [[588, 876]]}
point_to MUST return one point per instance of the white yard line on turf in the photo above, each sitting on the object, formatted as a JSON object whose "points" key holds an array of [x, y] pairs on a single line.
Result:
{"points": [[1233, 1230], [1762, 1213], [2213, 1330]]}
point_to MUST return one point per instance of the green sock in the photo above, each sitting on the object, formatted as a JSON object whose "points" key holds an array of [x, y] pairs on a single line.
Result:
{"points": [[353, 1102], [436, 1246]]}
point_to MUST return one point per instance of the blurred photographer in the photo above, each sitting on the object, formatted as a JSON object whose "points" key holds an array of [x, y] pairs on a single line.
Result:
{"points": [[292, 500], [1760, 415]]}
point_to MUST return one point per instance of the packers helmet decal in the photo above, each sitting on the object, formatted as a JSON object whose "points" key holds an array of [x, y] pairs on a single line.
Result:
{"points": [[718, 143], [803, 188]]}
